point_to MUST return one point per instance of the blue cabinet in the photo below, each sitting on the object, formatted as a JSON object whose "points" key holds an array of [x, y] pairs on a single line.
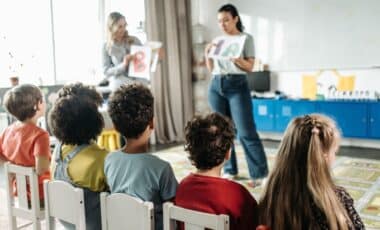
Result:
{"points": [[355, 119], [374, 120], [263, 113], [351, 117], [286, 110]]}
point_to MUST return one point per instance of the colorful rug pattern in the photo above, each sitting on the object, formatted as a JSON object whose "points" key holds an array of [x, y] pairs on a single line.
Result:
{"points": [[361, 178]]}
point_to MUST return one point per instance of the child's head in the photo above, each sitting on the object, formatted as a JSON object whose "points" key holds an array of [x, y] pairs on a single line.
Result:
{"points": [[82, 91], [74, 120], [311, 140], [131, 110], [302, 173], [208, 140], [25, 102]]}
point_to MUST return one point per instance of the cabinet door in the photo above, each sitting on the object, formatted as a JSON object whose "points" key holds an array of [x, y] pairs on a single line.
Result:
{"points": [[285, 111], [263, 111], [350, 117], [374, 120]]}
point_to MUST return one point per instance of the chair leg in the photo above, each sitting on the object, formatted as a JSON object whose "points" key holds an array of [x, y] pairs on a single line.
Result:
{"points": [[36, 224], [50, 223], [12, 222]]}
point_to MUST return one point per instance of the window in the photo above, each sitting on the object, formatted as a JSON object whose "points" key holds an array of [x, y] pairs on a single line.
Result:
{"points": [[25, 42], [77, 33], [78, 27]]}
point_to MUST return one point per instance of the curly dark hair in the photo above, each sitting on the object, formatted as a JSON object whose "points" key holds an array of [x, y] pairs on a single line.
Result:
{"points": [[74, 120], [131, 109], [82, 91], [21, 101], [207, 139]]}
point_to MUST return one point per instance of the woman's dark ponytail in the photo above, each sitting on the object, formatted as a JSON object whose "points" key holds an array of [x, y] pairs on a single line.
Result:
{"points": [[233, 11]]}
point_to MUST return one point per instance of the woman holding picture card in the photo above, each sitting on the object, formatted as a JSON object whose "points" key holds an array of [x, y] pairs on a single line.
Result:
{"points": [[229, 58], [117, 52]]}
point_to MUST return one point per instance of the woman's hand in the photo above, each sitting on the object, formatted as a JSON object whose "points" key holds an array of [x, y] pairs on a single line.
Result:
{"points": [[208, 48], [128, 58], [161, 53], [244, 64], [237, 61]]}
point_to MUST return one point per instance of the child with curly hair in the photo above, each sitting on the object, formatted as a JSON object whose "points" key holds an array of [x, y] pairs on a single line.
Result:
{"points": [[76, 123], [132, 170], [208, 141]]}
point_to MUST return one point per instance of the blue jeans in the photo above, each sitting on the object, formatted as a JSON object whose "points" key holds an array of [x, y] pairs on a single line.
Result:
{"points": [[229, 95]]}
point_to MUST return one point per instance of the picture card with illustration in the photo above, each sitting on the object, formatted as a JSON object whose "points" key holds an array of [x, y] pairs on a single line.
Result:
{"points": [[226, 47], [140, 65]]}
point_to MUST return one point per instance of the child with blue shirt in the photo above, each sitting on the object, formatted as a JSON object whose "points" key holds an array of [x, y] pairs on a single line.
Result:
{"points": [[132, 170]]}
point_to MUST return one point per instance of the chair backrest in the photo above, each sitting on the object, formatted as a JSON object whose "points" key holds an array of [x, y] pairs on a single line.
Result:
{"points": [[64, 202], [27, 206], [193, 220], [121, 211]]}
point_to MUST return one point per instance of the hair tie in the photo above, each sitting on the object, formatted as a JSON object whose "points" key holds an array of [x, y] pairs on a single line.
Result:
{"points": [[315, 130]]}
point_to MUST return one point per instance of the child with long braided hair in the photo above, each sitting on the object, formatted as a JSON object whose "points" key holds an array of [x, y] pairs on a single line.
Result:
{"points": [[300, 192]]}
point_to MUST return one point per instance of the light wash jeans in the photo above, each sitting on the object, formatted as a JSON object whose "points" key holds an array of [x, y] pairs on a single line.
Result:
{"points": [[229, 95]]}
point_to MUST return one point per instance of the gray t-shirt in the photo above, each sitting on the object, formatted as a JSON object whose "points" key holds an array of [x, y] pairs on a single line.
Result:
{"points": [[141, 175], [225, 66]]}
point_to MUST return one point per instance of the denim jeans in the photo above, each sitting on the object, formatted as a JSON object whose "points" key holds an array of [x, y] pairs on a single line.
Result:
{"points": [[229, 95]]}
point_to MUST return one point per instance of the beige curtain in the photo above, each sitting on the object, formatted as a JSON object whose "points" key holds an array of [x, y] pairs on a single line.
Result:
{"points": [[169, 21]]}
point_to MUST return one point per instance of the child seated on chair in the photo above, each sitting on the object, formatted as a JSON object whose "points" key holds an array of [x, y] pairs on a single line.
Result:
{"points": [[132, 170], [208, 140], [78, 160], [300, 192], [23, 142]]}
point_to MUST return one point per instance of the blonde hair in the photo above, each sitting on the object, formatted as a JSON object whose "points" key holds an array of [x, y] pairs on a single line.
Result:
{"points": [[113, 19], [301, 177]]}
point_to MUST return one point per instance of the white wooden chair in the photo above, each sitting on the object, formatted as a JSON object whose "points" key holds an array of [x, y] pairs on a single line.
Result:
{"points": [[193, 220], [65, 202], [22, 207], [121, 211]]}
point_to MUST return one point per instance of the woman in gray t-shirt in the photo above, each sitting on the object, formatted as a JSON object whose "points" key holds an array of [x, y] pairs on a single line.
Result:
{"points": [[229, 95], [116, 51]]}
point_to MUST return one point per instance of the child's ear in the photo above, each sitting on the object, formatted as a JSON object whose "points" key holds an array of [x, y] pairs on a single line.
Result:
{"points": [[228, 155], [39, 105], [151, 124]]}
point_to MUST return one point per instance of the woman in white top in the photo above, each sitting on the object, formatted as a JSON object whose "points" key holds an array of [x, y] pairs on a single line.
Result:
{"points": [[228, 94]]}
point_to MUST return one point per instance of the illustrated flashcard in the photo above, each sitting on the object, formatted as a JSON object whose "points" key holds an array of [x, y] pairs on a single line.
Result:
{"points": [[140, 65], [155, 46], [226, 47]]}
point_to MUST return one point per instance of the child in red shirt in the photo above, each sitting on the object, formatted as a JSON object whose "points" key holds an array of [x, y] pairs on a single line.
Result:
{"points": [[208, 141], [23, 142]]}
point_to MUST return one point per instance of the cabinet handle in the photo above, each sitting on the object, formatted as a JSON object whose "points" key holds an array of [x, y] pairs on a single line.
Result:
{"points": [[372, 120]]}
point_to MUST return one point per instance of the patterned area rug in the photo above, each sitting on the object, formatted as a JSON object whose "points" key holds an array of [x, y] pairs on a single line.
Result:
{"points": [[360, 177]]}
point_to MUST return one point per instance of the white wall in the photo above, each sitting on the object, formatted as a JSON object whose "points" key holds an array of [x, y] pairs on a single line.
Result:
{"points": [[290, 82], [205, 13]]}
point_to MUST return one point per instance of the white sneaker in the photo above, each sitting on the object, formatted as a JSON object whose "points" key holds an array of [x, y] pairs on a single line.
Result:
{"points": [[229, 176], [253, 183]]}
